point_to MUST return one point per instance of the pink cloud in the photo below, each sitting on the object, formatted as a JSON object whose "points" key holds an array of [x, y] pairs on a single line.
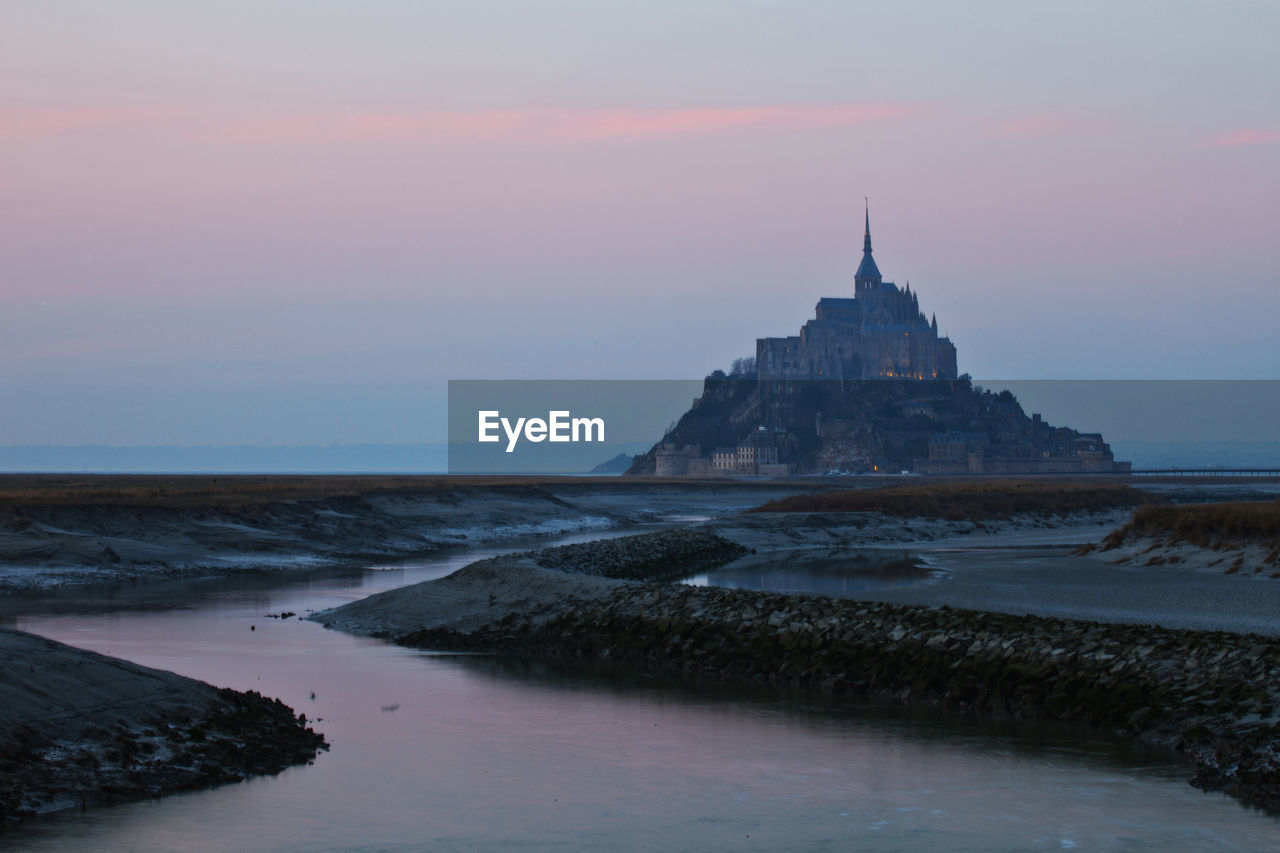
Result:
{"points": [[1237, 138], [1055, 124], [523, 126], [612, 124], [17, 123]]}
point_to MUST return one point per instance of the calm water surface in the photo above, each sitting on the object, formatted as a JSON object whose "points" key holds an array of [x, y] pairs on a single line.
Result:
{"points": [[474, 752]]}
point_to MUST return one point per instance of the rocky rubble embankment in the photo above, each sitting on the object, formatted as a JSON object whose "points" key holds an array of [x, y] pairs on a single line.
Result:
{"points": [[79, 728], [785, 531], [646, 556]]}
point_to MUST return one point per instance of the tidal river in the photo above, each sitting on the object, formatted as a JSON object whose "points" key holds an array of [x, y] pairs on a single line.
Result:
{"points": [[475, 752]]}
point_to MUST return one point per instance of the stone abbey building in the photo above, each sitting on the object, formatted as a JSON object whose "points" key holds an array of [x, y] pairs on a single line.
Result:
{"points": [[878, 334]]}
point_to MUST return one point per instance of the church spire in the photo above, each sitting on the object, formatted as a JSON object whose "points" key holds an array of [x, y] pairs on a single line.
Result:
{"points": [[868, 273], [866, 237]]}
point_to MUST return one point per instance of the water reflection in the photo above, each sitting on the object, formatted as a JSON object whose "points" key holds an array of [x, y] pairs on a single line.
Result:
{"points": [[823, 572], [1035, 739]]}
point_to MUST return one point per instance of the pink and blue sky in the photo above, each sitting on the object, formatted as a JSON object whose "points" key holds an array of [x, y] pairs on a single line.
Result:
{"points": [[290, 222]]}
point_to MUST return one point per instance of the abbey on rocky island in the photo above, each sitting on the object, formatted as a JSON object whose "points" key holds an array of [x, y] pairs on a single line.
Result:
{"points": [[878, 334], [868, 386]]}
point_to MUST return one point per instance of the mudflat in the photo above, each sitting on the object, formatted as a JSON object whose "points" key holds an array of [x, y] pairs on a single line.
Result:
{"points": [[59, 529]]}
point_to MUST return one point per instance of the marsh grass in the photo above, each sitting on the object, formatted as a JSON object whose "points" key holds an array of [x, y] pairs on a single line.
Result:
{"points": [[1206, 525]]}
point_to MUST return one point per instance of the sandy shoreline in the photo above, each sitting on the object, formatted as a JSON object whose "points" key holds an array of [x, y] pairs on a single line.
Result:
{"points": [[1248, 559]]}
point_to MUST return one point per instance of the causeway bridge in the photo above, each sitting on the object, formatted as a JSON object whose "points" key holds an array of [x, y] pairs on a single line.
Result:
{"points": [[1222, 475]]}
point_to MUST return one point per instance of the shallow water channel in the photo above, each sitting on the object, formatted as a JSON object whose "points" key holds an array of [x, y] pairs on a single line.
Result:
{"points": [[477, 752]]}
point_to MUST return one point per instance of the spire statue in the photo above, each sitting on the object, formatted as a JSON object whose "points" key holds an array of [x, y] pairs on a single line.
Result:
{"points": [[866, 237], [868, 273]]}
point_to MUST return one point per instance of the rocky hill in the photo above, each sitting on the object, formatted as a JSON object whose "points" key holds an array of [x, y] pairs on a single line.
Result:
{"points": [[884, 425]]}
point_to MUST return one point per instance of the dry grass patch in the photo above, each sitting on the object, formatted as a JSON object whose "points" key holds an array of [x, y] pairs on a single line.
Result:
{"points": [[1213, 526]]}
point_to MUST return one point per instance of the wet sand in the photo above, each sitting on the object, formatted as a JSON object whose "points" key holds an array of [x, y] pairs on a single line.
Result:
{"points": [[1052, 582], [1027, 566]]}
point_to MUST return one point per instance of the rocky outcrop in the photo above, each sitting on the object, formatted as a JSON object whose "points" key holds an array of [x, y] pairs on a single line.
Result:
{"points": [[881, 425]]}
